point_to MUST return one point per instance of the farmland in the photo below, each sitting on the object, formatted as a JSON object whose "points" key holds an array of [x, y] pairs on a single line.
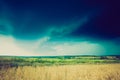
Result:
{"points": [[64, 72], [60, 68], [14, 61]]}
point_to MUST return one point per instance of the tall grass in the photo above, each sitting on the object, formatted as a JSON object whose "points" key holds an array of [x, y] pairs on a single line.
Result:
{"points": [[66, 72]]}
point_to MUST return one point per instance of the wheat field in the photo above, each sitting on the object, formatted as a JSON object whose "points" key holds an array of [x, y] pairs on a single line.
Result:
{"points": [[65, 72]]}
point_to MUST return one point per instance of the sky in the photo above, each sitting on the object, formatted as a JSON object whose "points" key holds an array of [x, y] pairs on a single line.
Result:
{"points": [[59, 27]]}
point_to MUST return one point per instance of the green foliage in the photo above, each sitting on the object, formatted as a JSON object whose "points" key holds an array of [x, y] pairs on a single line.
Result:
{"points": [[60, 60]]}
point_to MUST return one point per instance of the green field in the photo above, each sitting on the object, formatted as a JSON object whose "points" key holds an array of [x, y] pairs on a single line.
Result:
{"points": [[14, 61], [60, 68]]}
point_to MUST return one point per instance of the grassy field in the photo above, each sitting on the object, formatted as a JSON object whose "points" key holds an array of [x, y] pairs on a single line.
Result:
{"points": [[63, 72], [60, 68], [56, 60]]}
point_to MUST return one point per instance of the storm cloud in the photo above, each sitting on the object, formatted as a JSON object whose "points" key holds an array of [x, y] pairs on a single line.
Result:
{"points": [[64, 27]]}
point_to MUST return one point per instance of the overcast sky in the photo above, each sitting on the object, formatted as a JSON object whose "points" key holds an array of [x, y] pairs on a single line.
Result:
{"points": [[59, 27]]}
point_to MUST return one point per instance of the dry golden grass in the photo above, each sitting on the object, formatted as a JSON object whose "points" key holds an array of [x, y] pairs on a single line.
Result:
{"points": [[66, 72]]}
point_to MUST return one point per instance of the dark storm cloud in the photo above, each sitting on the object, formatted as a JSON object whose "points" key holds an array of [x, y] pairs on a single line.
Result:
{"points": [[32, 19], [59, 27], [105, 25]]}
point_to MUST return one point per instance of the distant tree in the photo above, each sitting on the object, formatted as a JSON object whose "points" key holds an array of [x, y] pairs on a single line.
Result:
{"points": [[117, 57], [103, 57]]}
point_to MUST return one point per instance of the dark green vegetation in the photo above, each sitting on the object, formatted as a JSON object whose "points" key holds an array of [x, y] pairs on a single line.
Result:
{"points": [[9, 61]]}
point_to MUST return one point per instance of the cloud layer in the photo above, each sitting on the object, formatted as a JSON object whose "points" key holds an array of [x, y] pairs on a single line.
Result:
{"points": [[78, 27], [44, 47]]}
